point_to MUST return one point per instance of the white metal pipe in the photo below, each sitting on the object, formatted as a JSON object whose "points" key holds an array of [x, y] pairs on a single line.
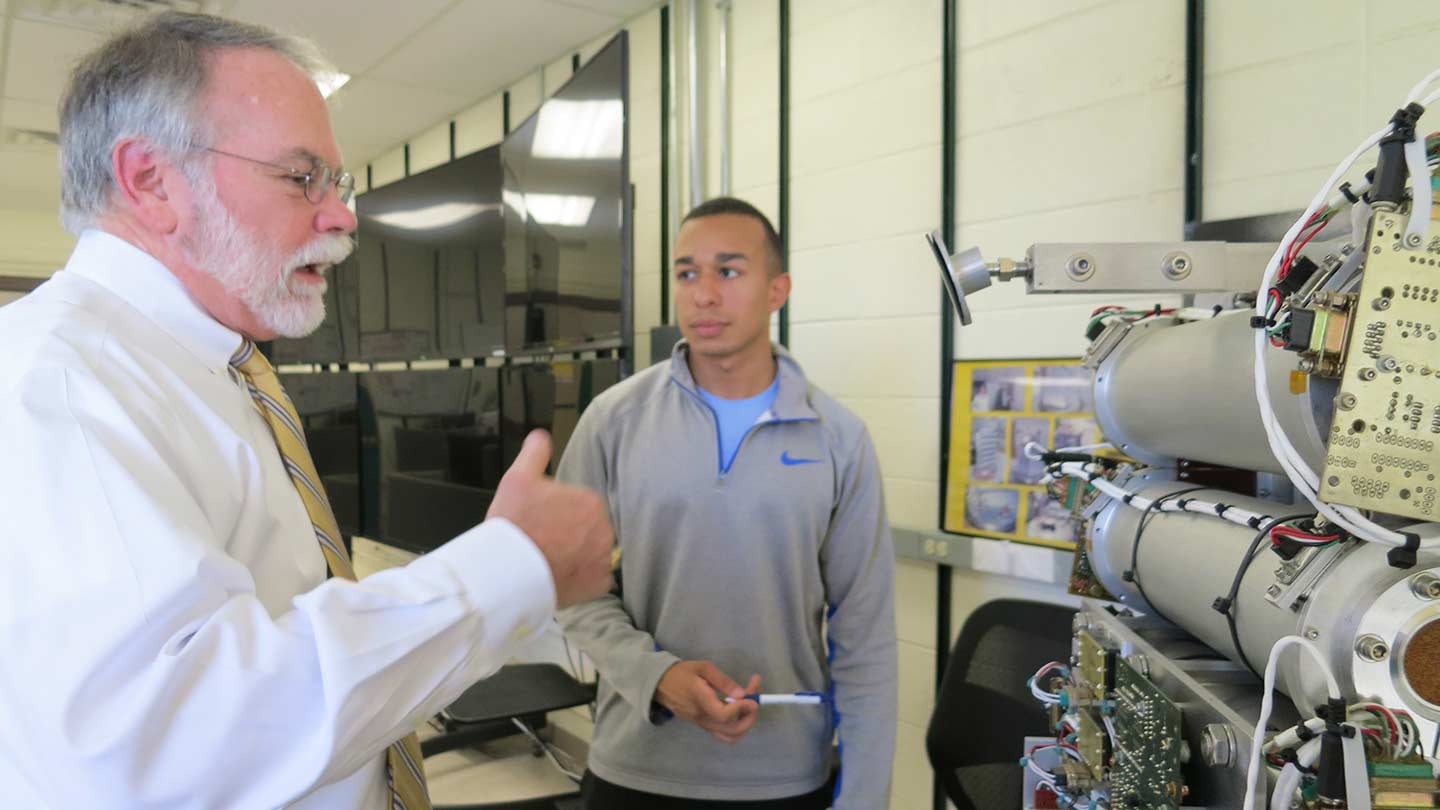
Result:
{"points": [[697, 152], [724, 7]]}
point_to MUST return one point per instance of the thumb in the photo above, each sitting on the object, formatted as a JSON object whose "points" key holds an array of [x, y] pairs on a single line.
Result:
{"points": [[533, 459], [720, 681]]}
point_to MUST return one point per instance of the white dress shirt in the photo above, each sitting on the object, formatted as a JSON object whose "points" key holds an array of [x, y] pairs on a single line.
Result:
{"points": [[168, 637]]}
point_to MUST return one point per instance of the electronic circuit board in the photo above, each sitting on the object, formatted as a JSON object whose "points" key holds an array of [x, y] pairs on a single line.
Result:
{"points": [[1147, 743], [1382, 445], [1092, 680]]}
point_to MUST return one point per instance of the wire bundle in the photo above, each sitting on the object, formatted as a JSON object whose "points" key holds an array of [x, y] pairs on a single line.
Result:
{"points": [[1305, 479]]}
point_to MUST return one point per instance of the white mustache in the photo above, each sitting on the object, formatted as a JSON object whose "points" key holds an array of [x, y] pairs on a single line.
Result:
{"points": [[331, 249]]}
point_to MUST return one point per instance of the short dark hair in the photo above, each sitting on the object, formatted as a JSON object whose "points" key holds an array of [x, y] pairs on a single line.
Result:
{"points": [[737, 206]]}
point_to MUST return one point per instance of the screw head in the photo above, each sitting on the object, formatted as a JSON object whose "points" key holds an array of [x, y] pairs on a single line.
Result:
{"points": [[1312, 634], [1412, 240], [1347, 401], [1175, 266], [1080, 267], [1367, 374]]}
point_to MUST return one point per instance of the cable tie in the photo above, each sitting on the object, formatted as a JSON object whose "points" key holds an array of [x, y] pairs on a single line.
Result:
{"points": [[1220, 509], [1254, 522], [1092, 477], [1349, 195], [1216, 310], [1128, 498], [1128, 576], [1182, 503], [1257, 321], [1304, 733], [1221, 605], [1404, 556]]}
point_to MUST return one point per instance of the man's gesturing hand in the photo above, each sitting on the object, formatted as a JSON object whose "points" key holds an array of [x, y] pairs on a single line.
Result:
{"points": [[568, 524]]}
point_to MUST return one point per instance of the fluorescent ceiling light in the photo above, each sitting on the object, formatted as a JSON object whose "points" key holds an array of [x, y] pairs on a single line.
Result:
{"points": [[331, 82], [432, 216], [578, 130], [559, 209]]}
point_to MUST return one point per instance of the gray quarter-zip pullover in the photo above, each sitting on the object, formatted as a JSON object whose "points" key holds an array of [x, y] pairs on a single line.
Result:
{"points": [[755, 568]]}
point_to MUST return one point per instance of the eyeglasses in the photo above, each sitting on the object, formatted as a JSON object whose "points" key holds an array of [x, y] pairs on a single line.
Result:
{"points": [[317, 180]]}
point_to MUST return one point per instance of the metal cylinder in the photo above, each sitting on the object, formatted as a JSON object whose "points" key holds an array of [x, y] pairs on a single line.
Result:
{"points": [[1376, 625], [1185, 561], [1187, 390]]}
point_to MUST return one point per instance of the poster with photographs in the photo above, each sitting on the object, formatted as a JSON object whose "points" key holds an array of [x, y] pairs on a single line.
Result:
{"points": [[997, 409]]}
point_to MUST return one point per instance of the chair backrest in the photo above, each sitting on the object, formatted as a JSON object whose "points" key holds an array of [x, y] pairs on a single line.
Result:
{"points": [[984, 709]]}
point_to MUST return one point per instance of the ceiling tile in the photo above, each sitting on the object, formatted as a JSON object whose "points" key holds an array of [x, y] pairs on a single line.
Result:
{"points": [[354, 34], [41, 57], [621, 10], [480, 46], [371, 111]]}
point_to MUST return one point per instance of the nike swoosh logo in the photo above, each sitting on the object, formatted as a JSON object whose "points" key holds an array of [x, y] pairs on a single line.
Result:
{"points": [[791, 462]]}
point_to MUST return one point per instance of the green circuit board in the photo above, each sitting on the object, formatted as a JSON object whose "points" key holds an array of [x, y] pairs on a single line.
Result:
{"points": [[1147, 743]]}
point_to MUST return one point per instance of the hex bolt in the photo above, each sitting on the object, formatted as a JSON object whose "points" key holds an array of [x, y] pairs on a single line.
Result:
{"points": [[1217, 745], [1347, 402]]}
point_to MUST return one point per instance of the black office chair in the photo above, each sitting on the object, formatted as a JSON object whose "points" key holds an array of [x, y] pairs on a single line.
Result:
{"points": [[486, 712], [984, 709]]}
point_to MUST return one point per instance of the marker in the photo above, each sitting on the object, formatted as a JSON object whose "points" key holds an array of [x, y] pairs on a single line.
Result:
{"points": [[777, 699]]}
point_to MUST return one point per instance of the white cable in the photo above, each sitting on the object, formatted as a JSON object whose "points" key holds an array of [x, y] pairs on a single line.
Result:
{"points": [[1357, 779], [1296, 469], [1285, 786], [544, 746], [1267, 703], [1233, 514], [1284, 795], [1086, 448], [1419, 224], [1422, 86]]}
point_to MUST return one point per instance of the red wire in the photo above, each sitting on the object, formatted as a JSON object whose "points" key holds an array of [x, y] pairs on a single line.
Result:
{"points": [[1035, 748], [1389, 719], [1288, 531], [1293, 252]]}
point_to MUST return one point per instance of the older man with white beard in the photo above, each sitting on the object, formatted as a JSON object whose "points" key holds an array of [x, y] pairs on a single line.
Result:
{"points": [[178, 618]]}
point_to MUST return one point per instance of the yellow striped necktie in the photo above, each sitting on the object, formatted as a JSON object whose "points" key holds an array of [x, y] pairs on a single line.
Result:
{"points": [[406, 776]]}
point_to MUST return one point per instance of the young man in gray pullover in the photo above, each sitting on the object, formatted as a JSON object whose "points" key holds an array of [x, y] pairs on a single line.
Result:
{"points": [[748, 507]]}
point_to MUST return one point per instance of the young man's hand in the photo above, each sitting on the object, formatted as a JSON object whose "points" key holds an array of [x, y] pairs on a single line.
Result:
{"points": [[689, 689]]}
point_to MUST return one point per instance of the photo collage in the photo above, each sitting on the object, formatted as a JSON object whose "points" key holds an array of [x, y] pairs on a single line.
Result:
{"points": [[997, 409]]}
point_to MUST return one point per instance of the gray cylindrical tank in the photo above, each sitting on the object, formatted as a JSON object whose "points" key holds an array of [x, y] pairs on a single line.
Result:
{"points": [[1186, 560], [1187, 390]]}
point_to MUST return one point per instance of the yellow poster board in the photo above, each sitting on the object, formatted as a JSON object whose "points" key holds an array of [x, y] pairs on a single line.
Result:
{"points": [[996, 408]]}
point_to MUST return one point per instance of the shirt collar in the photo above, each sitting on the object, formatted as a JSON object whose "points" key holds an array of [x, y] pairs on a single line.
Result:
{"points": [[151, 289], [792, 401]]}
